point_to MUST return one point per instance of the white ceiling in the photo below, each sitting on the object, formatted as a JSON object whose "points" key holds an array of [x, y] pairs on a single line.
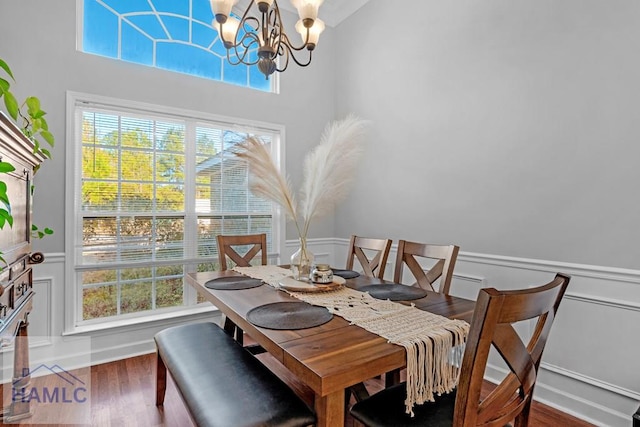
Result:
{"points": [[332, 12]]}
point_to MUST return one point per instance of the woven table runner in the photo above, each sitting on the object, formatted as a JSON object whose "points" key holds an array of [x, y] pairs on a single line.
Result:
{"points": [[427, 338]]}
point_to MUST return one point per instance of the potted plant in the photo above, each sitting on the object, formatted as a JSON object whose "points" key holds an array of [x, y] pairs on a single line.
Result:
{"points": [[29, 118]]}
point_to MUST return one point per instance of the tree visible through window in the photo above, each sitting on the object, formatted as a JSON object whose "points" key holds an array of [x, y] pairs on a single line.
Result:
{"points": [[174, 35], [153, 193]]}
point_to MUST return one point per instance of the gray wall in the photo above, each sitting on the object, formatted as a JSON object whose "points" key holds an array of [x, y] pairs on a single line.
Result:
{"points": [[38, 41], [509, 127], [506, 127]]}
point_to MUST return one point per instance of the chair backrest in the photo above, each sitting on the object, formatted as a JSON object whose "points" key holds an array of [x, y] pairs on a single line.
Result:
{"points": [[493, 317], [227, 248], [374, 266], [446, 257]]}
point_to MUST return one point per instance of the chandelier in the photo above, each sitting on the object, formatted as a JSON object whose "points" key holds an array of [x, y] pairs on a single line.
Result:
{"points": [[259, 38]]}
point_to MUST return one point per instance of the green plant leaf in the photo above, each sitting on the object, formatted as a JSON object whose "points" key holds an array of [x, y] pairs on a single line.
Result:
{"points": [[3, 261], [43, 122], [3, 192], [48, 231], [33, 105], [5, 216], [4, 85], [34, 227], [39, 114], [4, 168], [12, 104], [48, 136], [6, 68], [46, 153], [35, 125]]}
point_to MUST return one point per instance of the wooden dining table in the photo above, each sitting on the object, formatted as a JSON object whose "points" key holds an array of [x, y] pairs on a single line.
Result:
{"points": [[327, 358]]}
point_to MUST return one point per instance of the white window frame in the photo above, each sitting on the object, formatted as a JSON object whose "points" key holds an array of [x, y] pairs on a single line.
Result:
{"points": [[73, 293]]}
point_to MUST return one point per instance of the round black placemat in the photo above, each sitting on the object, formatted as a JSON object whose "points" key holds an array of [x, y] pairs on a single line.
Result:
{"points": [[288, 315], [346, 274], [233, 283], [394, 292]]}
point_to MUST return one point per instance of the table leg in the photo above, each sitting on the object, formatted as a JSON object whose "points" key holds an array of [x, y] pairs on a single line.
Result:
{"points": [[330, 409]]}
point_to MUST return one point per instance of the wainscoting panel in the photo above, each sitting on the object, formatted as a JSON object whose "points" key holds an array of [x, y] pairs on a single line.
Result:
{"points": [[590, 364], [47, 320], [589, 368]]}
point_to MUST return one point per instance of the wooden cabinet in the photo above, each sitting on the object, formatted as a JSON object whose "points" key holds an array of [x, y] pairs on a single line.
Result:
{"points": [[16, 277]]}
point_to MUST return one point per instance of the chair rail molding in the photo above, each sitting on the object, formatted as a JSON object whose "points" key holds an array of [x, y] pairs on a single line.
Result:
{"points": [[579, 270]]}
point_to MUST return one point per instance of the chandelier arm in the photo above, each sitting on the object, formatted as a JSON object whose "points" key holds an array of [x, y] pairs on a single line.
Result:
{"points": [[284, 35], [248, 39], [241, 55], [251, 21], [289, 53], [284, 39], [240, 58], [286, 54]]}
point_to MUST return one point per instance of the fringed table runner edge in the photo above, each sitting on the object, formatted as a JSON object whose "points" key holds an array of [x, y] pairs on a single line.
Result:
{"points": [[427, 338]]}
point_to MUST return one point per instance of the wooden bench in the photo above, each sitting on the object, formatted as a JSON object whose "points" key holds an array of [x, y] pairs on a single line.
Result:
{"points": [[221, 383]]}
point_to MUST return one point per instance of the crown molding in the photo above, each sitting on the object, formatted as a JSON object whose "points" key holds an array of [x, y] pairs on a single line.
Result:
{"points": [[332, 12]]}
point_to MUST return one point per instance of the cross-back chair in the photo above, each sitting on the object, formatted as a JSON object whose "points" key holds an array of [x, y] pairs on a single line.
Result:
{"points": [[446, 257], [228, 247], [492, 325], [374, 266]]}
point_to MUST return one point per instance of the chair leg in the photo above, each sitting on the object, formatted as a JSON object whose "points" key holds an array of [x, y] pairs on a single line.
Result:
{"points": [[228, 326], [392, 378], [161, 380], [239, 335], [522, 420], [232, 329], [359, 392]]}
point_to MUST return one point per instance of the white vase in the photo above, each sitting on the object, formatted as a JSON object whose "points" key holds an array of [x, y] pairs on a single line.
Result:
{"points": [[302, 261]]}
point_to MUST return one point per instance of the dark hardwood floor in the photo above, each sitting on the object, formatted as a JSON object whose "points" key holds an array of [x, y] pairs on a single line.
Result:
{"points": [[123, 394]]}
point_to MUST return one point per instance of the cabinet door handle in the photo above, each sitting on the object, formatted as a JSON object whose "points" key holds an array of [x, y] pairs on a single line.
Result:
{"points": [[22, 287]]}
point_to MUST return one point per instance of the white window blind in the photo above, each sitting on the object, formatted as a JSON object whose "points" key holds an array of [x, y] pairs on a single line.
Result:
{"points": [[152, 192]]}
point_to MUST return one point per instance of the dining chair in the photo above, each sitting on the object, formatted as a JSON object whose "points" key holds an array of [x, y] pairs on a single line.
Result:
{"points": [[492, 325], [229, 246], [446, 257], [374, 264]]}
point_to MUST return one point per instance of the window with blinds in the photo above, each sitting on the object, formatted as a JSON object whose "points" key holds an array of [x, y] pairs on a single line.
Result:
{"points": [[152, 192]]}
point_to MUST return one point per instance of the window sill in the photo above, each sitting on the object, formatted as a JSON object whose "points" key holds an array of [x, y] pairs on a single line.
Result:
{"points": [[142, 322]]}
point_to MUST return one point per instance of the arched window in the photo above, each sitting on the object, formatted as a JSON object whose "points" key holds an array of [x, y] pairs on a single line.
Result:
{"points": [[174, 35]]}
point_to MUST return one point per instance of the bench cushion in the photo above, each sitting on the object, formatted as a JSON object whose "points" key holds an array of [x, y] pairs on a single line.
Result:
{"points": [[387, 408], [224, 385]]}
